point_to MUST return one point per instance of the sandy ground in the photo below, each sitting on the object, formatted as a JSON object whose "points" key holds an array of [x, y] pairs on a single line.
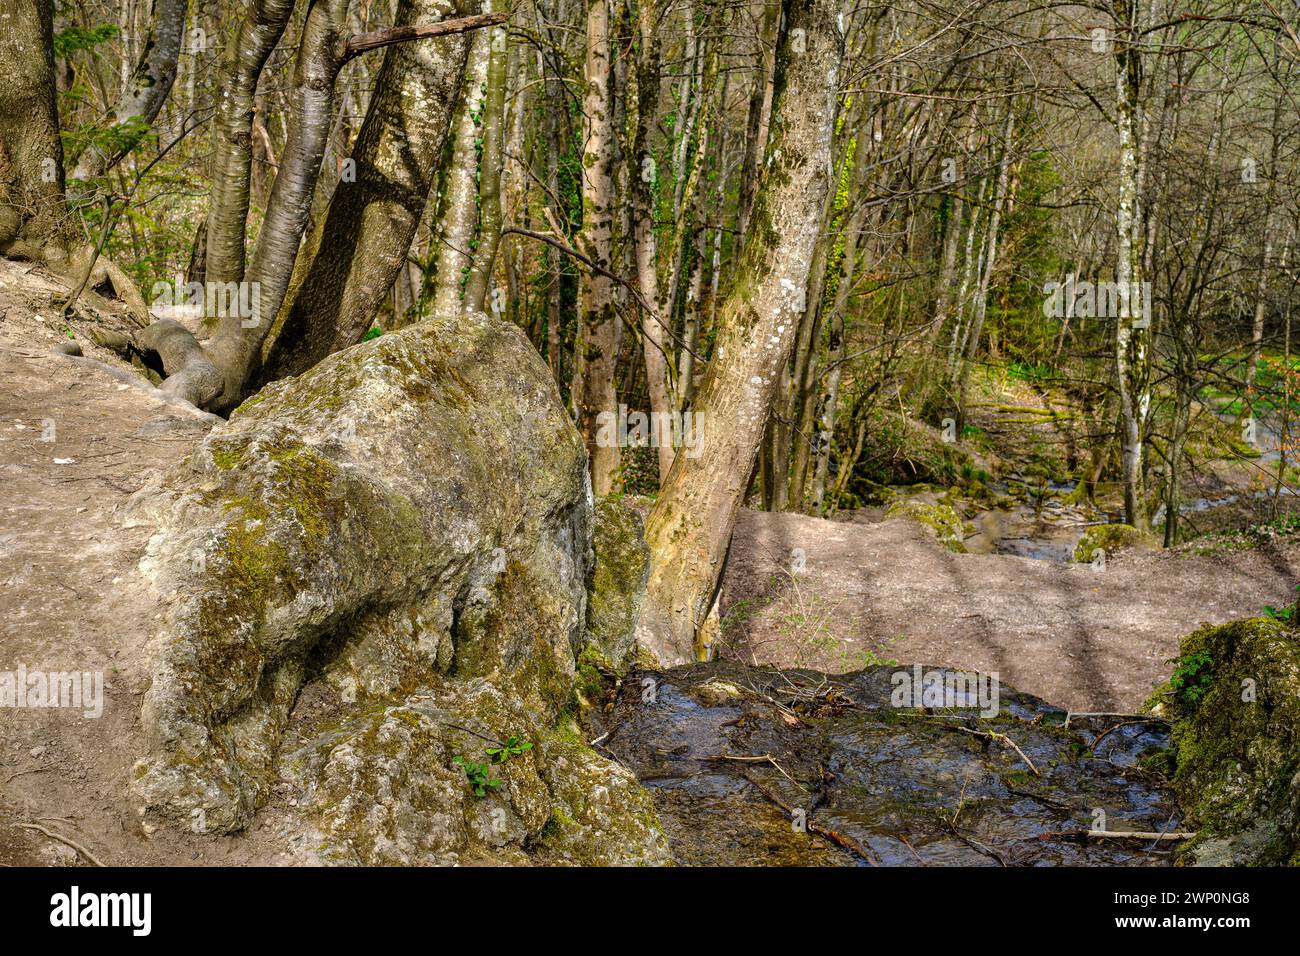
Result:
{"points": [[75, 444], [1082, 639]]}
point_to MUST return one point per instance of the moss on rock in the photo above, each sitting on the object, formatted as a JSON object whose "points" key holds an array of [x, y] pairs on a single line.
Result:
{"points": [[942, 519], [620, 572], [1234, 700], [382, 483], [1108, 538]]}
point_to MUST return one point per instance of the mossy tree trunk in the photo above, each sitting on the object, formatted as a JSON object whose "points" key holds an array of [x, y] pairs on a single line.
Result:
{"points": [[690, 526], [491, 159], [641, 176], [33, 212], [458, 201], [1133, 337]]}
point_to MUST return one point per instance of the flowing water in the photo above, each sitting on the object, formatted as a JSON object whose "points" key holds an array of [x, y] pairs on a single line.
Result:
{"points": [[758, 766]]}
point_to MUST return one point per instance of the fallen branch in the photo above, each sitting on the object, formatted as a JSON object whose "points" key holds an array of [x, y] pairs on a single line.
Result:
{"points": [[826, 833], [1138, 835], [761, 758], [61, 839], [1001, 738]]}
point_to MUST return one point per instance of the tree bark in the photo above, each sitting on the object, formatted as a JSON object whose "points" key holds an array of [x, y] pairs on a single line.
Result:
{"points": [[1132, 340], [593, 391], [458, 219], [144, 96], [489, 191], [33, 212], [690, 526], [354, 252], [236, 346], [263, 24]]}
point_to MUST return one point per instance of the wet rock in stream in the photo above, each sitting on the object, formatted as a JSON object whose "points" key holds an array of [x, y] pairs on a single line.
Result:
{"points": [[753, 766]]}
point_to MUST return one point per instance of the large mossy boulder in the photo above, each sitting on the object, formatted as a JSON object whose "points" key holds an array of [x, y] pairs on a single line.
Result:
{"points": [[1234, 701], [414, 507]]}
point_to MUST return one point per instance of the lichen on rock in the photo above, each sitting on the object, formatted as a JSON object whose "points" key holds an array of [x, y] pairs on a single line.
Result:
{"points": [[363, 520], [621, 570], [1234, 701]]}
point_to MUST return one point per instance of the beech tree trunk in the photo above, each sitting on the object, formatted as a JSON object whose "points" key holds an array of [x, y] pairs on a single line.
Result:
{"points": [[478, 286], [458, 214], [689, 529], [596, 351]]}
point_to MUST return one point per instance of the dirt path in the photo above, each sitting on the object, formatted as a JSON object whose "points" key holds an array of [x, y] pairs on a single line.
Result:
{"points": [[1082, 639], [75, 444]]}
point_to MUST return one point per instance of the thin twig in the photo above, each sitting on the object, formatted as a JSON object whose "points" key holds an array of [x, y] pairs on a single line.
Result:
{"points": [[62, 839], [1001, 738]]}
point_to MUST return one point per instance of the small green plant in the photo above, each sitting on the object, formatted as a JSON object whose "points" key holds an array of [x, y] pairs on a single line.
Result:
{"points": [[1192, 677], [374, 333], [511, 748], [1284, 614], [479, 776]]}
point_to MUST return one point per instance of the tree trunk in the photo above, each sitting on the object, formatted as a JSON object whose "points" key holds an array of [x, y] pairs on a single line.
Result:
{"points": [[458, 219], [490, 163], [1000, 199], [236, 346], [642, 175], [1132, 338], [148, 90], [689, 529], [354, 252], [595, 400], [233, 136], [33, 213]]}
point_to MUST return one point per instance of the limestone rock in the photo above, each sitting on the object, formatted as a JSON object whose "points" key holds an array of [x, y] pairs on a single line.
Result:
{"points": [[622, 568], [412, 506], [1234, 699]]}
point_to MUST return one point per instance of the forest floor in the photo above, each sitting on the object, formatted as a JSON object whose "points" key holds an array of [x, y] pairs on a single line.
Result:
{"points": [[75, 444], [872, 590]]}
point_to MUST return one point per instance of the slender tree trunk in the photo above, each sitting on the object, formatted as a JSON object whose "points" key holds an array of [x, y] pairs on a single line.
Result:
{"points": [[1265, 255], [1000, 199], [1132, 339], [642, 175], [458, 224], [690, 526], [594, 394], [147, 91], [491, 160]]}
